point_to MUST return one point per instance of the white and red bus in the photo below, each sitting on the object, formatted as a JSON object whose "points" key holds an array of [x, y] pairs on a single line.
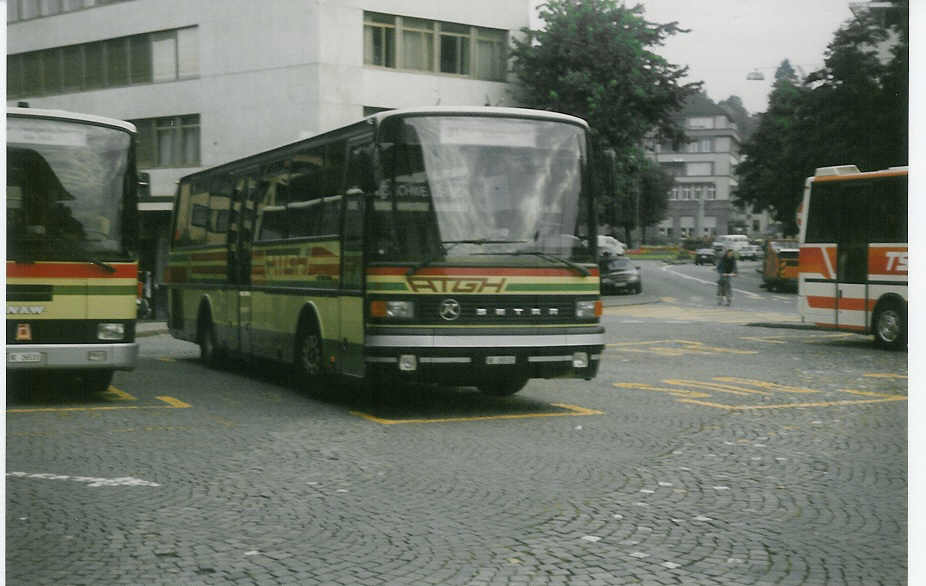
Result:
{"points": [[853, 252]]}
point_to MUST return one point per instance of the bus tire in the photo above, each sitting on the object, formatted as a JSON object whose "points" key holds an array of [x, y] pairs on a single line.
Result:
{"points": [[208, 348], [504, 385], [309, 357], [890, 326]]}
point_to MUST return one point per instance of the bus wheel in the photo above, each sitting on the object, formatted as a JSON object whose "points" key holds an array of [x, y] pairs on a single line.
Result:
{"points": [[97, 381], [890, 326], [208, 350], [308, 355], [504, 386]]}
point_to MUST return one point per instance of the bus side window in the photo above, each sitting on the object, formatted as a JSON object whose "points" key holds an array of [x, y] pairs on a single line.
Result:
{"points": [[889, 210], [307, 188], [182, 221], [273, 196], [219, 209]]}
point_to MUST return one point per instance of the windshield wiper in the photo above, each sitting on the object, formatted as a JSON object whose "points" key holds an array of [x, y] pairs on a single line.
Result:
{"points": [[103, 265], [446, 245], [553, 258], [80, 254]]}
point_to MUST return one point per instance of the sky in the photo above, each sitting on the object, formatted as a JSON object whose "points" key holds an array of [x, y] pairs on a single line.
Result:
{"points": [[731, 38]]}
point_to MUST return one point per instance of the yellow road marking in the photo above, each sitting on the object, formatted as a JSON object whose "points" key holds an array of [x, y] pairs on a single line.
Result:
{"points": [[177, 403], [573, 411], [885, 375], [166, 359], [715, 387], [172, 403], [119, 394], [764, 385], [685, 395], [683, 347], [671, 391], [795, 405]]}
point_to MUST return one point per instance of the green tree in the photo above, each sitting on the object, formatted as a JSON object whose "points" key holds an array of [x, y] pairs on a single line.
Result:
{"points": [[593, 59], [852, 111]]}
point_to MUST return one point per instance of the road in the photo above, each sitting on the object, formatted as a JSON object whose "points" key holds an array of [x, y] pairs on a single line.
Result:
{"points": [[709, 450]]}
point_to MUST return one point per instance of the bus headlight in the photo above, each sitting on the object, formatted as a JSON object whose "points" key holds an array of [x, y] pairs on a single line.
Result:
{"points": [[392, 309], [588, 309], [109, 331]]}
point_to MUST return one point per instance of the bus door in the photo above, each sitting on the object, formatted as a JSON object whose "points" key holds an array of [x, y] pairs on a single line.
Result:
{"points": [[359, 180], [240, 255], [852, 256]]}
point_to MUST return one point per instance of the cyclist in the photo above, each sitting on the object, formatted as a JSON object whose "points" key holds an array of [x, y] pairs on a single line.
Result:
{"points": [[726, 268]]}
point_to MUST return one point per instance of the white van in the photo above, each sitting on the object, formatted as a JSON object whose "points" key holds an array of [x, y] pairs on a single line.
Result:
{"points": [[735, 241]]}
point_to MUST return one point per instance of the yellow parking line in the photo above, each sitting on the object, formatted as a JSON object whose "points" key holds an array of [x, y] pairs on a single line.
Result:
{"points": [[176, 403], [172, 403], [709, 386], [119, 394], [794, 405], [573, 411]]}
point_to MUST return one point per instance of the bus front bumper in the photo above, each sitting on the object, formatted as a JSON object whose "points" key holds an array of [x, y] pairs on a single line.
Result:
{"points": [[463, 359], [72, 356]]}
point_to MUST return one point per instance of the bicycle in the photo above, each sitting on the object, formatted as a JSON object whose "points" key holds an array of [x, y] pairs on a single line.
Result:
{"points": [[725, 289]]}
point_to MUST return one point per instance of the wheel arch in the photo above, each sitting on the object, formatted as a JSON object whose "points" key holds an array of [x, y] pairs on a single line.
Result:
{"points": [[203, 311]]}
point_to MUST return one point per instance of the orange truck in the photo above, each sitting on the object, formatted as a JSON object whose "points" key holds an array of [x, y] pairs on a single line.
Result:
{"points": [[780, 265]]}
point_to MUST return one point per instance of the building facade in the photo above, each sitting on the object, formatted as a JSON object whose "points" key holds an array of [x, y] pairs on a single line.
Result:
{"points": [[210, 81], [700, 204]]}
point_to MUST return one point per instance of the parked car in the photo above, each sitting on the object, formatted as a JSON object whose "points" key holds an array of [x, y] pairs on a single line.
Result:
{"points": [[750, 252], [704, 256], [619, 274]]}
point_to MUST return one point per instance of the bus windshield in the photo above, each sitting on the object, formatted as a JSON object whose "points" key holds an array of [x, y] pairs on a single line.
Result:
{"points": [[65, 187], [470, 187]]}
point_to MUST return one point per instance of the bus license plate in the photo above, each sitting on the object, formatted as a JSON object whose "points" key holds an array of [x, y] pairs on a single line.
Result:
{"points": [[18, 357]]}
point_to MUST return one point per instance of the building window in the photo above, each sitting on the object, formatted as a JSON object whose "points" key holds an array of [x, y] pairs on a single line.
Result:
{"points": [[145, 58], [700, 122], [700, 145], [172, 141], [17, 10], [454, 48], [696, 169], [417, 44], [379, 39]]}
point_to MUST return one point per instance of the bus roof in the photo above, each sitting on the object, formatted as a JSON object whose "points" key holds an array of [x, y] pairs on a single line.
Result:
{"points": [[74, 116], [841, 172], [480, 111]]}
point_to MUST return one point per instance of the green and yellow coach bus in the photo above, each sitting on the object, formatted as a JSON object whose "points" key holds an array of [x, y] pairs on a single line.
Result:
{"points": [[438, 245]]}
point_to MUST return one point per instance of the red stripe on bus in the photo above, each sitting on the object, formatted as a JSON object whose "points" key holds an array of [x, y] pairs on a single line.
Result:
{"points": [[847, 303], [477, 271], [66, 270]]}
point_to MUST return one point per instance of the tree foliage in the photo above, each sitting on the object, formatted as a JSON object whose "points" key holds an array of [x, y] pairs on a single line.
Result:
{"points": [[852, 111], [593, 59]]}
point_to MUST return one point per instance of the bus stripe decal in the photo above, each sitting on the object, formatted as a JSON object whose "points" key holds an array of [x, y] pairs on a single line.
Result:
{"points": [[480, 271], [66, 270]]}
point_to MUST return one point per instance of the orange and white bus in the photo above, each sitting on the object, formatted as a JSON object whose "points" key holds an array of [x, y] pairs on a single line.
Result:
{"points": [[71, 270], [853, 252], [444, 245]]}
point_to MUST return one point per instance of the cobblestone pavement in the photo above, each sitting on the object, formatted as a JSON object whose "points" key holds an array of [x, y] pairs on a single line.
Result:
{"points": [[700, 455]]}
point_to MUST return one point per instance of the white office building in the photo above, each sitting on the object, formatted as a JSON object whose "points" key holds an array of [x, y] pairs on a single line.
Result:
{"points": [[208, 81]]}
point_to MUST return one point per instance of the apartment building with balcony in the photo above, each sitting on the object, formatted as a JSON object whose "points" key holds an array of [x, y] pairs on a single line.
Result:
{"points": [[700, 204], [210, 81]]}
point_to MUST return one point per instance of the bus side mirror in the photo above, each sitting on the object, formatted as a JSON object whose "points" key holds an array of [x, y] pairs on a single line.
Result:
{"points": [[144, 185]]}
